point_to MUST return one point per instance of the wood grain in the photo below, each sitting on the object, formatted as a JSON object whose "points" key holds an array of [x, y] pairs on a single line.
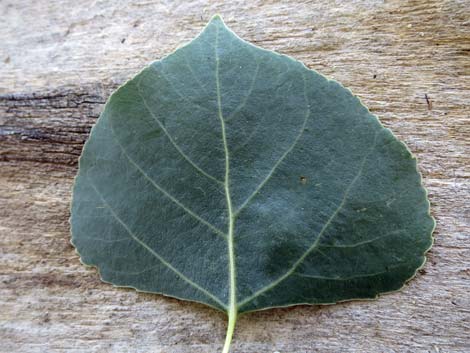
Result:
{"points": [[409, 61]]}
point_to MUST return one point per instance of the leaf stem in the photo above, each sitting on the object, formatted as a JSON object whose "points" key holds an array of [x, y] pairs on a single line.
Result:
{"points": [[232, 319]]}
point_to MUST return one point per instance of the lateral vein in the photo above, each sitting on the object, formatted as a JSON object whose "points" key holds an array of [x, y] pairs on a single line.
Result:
{"points": [[172, 140], [360, 243], [319, 236], [346, 278], [168, 195], [154, 253], [194, 74], [178, 93], [250, 90], [279, 161]]}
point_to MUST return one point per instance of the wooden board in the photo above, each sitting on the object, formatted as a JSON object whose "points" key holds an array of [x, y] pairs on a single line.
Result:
{"points": [[409, 61]]}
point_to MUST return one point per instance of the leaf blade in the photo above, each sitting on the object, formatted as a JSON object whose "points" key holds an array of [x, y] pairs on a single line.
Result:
{"points": [[296, 169]]}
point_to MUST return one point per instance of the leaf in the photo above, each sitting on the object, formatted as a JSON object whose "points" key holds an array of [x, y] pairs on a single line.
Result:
{"points": [[236, 177]]}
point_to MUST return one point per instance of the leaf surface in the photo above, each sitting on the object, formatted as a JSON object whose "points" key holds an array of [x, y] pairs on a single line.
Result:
{"points": [[236, 177]]}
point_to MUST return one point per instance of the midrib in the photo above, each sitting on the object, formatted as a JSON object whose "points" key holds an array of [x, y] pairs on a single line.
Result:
{"points": [[231, 252], [232, 313]]}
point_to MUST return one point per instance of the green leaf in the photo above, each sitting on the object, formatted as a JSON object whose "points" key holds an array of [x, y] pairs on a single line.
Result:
{"points": [[236, 177]]}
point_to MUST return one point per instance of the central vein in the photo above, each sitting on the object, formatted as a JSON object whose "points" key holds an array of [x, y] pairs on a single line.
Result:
{"points": [[232, 312]]}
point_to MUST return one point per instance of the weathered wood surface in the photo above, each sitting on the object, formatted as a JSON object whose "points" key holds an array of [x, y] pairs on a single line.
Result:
{"points": [[60, 60]]}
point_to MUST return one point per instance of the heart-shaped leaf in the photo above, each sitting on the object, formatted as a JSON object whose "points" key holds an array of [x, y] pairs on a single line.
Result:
{"points": [[236, 177]]}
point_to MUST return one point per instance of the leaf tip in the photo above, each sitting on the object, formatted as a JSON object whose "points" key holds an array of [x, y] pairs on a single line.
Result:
{"points": [[217, 19]]}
